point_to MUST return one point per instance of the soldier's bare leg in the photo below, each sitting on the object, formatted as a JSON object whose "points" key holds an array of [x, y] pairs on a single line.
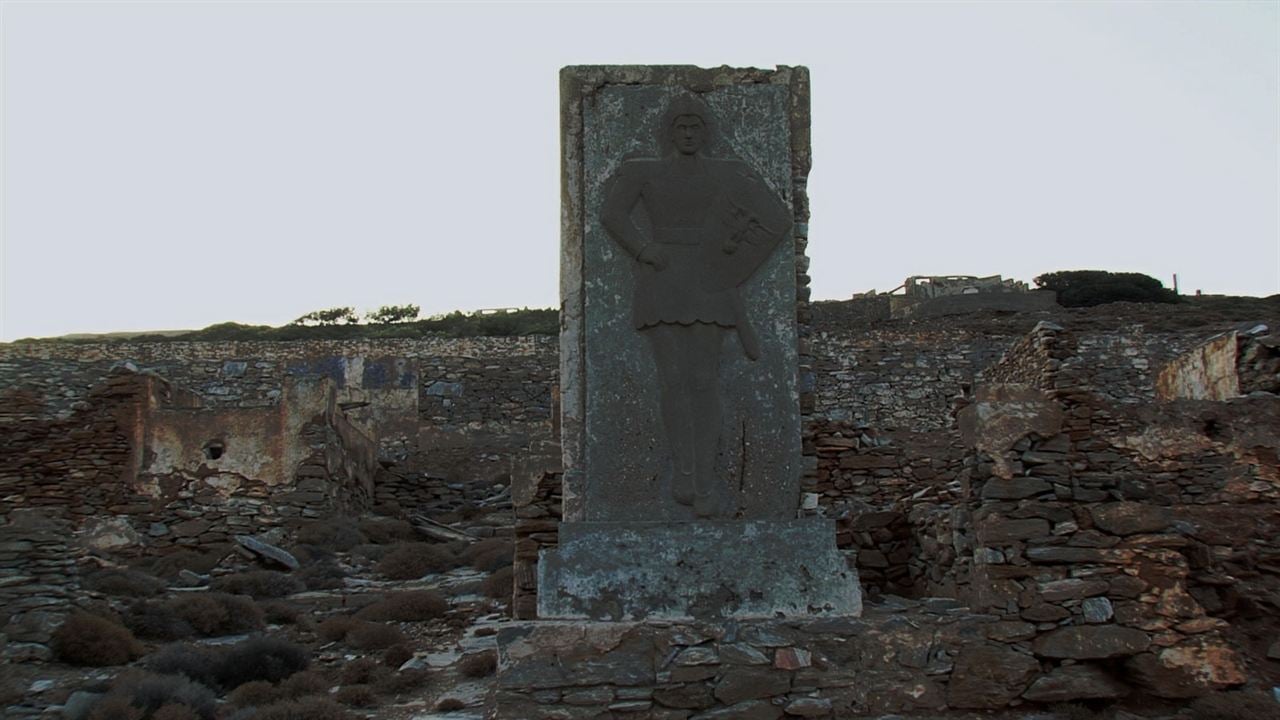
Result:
{"points": [[704, 343], [670, 355]]}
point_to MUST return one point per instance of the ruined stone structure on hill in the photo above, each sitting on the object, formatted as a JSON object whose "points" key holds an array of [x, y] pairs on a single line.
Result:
{"points": [[1106, 538]]}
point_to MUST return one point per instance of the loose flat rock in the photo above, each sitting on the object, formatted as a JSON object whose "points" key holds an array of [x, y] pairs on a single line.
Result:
{"points": [[268, 551]]}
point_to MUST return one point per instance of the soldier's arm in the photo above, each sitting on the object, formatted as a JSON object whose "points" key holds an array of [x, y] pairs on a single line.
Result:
{"points": [[622, 195]]}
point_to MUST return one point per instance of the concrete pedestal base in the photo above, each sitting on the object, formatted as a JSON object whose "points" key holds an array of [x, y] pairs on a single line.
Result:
{"points": [[708, 570]]}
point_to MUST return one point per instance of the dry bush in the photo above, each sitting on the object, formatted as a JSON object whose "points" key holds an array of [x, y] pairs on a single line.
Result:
{"points": [[280, 612], [478, 665], [361, 671], [123, 582], [361, 696], [309, 708], [255, 693], [258, 584], [168, 566], [397, 655], [114, 707], [175, 712], [1235, 705], [338, 534], [149, 692], [323, 575], [410, 561], [490, 554], [402, 681], [371, 552], [410, 606], [336, 627], [213, 614], [157, 621], [196, 662], [305, 684], [85, 639], [370, 636], [500, 585], [261, 658], [450, 704], [385, 531]]}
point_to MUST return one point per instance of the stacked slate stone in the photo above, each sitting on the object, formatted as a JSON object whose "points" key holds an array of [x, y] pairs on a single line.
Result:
{"points": [[38, 580], [537, 501], [1080, 557]]}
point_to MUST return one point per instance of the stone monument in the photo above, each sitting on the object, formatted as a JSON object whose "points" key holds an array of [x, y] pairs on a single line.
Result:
{"points": [[684, 578], [679, 351]]}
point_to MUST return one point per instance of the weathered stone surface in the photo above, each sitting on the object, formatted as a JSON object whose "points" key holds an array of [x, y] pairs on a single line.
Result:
{"points": [[987, 677], [1071, 589], [751, 683], [689, 696], [749, 710], [1129, 518], [792, 658], [1091, 642], [629, 571], [997, 531], [618, 452], [268, 551], [1097, 610], [808, 707], [1014, 488], [1075, 682], [109, 534], [1187, 670], [560, 655]]}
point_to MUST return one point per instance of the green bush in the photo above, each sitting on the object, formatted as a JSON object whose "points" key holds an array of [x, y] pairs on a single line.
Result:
{"points": [[1086, 288]]}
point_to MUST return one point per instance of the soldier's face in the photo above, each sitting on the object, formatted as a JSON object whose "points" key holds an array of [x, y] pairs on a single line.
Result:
{"points": [[689, 133]]}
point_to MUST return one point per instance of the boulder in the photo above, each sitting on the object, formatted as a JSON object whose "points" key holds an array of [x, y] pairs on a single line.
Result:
{"points": [[1075, 682], [268, 551], [1188, 670], [1130, 518]]}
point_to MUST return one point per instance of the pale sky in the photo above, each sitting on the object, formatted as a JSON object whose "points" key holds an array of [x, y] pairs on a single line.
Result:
{"points": [[176, 164]]}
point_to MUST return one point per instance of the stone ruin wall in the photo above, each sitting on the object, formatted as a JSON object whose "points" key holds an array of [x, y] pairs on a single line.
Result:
{"points": [[913, 498]]}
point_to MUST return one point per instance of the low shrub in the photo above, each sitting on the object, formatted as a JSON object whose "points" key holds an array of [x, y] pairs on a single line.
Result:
{"points": [[371, 552], [254, 693], [397, 655], [196, 662], [410, 606], [124, 582], [89, 640], [150, 693], [308, 708], [478, 665], [361, 696], [114, 707], [386, 531], [323, 575], [175, 712], [336, 627], [280, 612], [371, 636], [361, 671], [170, 565], [214, 614], [157, 621], [258, 584], [305, 684], [410, 561], [261, 658], [450, 704], [490, 554], [338, 534], [402, 681], [500, 585]]}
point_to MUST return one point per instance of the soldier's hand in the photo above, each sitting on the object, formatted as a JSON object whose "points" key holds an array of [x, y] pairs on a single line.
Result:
{"points": [[653, 255]]}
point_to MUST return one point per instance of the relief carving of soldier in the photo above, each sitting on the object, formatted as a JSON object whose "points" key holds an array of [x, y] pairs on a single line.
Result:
{"points": [[713, 223]]}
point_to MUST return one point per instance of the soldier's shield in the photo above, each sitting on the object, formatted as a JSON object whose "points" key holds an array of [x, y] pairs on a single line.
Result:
{"points": [[738, 243]]}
